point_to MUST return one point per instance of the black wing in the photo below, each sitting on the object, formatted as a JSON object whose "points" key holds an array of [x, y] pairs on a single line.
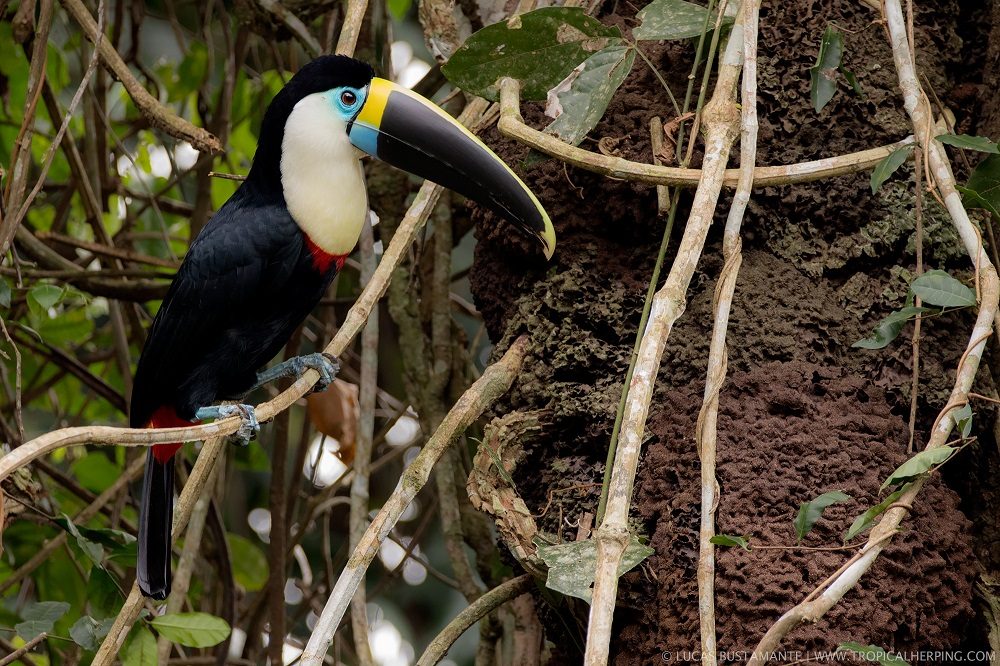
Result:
{"points": [[226, 308]]}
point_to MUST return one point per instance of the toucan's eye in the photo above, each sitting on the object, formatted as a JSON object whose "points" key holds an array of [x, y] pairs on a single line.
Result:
{"points": [[348, 98]]}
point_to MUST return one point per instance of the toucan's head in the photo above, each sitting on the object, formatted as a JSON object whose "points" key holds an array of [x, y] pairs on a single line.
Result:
{"points": [[400, 127]]}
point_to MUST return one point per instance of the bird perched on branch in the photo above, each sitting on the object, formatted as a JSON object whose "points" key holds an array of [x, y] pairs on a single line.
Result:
{"points": [[267, 256]]}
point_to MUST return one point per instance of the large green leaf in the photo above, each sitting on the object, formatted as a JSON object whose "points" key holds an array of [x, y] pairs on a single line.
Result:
{"points": [[810, 512], [978, 143], [41, 297], [939, 288], [249, 564], [823, 75], [571, 565], [589, 92], [888, 166], [672, 19], [88, 632], [539, 48], [192, 629], [983, 188], [889, 328], [95, 472], [919, 464], [39, 618], [141, 649]]}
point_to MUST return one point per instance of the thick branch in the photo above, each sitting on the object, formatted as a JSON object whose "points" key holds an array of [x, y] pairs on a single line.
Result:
{"points": [[512, 124], [716, 373], [612, 536]]}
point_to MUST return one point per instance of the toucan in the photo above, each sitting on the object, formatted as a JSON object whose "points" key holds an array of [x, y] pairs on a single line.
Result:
{"points": [[266, 257]]}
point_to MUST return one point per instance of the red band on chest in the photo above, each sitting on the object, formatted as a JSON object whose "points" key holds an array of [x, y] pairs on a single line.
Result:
{"points": [[166, 417], [323, 260]]}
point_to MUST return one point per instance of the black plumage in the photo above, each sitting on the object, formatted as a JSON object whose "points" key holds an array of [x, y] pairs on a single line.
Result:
{"points": [[248, 280]]}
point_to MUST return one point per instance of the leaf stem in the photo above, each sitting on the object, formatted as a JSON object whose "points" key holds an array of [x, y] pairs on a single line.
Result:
{"points": [[656, 73]]}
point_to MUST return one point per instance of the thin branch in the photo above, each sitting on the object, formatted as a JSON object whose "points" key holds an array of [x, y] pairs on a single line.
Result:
{"points": [[612, 535], [706, 432], [22, 651], [160, 116], [495, 381], [511, 124], [917, 106], [471, 614], [363, 447], [350, 30], [294, 25]]}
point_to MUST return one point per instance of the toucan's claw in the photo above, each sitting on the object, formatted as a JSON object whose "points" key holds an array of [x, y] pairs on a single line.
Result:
{"points": [[249, 426], [325, 364]]}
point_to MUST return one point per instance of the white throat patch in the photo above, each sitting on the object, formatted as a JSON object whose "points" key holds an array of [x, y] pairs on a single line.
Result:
{"points": [[321, 175]]}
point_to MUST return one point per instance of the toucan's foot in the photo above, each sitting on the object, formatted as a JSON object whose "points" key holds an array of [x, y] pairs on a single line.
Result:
{"points": [[325, 364], [249, 427]]}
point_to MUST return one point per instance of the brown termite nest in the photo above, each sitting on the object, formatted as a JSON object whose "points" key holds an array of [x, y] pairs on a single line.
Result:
{"points": [[802, 412]]}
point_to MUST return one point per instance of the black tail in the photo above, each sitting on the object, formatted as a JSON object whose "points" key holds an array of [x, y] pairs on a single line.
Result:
{"points": [[156, 516]]}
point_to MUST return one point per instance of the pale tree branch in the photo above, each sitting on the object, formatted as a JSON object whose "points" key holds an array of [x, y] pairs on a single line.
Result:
{"points": [[721, 122], [917, 106], [474, 612], [511, 124], [363, 448], [494, 382], [706, 432]]}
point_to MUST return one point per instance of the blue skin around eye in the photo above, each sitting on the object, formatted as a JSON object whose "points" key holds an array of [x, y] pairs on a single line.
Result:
{"points": [[347, 112]]}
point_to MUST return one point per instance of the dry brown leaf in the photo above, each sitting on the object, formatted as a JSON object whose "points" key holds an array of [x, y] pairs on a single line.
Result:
{"points": [[335, 413]]}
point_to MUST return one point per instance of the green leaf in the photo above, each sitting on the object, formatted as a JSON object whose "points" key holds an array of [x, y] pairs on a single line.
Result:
{"points": [[399, 8], [963, 419], [94, 551], [810, 512], [919, 464], [730, 540], [865, 520], [39, 618], [103, 594], [590, 89], [823, 74], [88, 632], [5, 293], [571, 565], [249, 564], [95, 472], [141, 649], [979, 143], [539, 48], [873, 653], [192, 629], [41, 297], [888, 166], [889, 328], [983, 188], [672, 19], [939, 288]]}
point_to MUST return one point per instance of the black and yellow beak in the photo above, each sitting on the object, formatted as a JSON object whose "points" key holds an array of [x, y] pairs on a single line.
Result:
{"points": [[413, 134]]}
